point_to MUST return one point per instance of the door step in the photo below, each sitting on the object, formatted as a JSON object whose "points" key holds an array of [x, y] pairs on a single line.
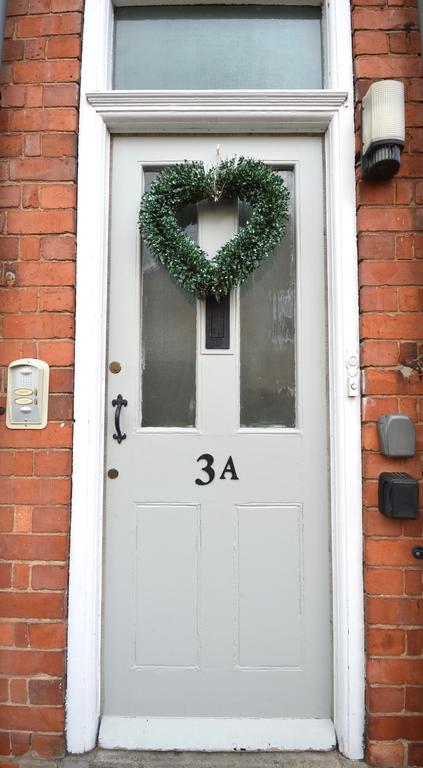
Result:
{"points": [[103, 758]]}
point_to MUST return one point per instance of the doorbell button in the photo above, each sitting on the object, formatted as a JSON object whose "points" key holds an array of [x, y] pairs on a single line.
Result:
{"points": [[27, 394]]}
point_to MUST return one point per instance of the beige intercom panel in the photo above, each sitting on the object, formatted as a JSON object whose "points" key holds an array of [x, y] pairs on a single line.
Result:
{"points": [[27, 394]]}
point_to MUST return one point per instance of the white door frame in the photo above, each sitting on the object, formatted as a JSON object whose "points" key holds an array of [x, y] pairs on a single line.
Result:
{"points": [[103, 112]]}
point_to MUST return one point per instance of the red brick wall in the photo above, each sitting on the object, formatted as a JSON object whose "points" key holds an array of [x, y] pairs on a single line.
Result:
{"points": [[38, 123], [37, 198], [390, 240]]}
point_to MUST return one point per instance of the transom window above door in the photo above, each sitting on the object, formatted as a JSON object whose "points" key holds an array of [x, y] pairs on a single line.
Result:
{"points": [[209, 47]]}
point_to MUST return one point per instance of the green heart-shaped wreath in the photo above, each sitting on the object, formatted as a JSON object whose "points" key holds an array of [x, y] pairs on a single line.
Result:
{"points": [[245, 178]]}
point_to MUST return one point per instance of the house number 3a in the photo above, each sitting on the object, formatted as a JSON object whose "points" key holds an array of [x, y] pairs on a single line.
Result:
{"points": [[228, 469]]}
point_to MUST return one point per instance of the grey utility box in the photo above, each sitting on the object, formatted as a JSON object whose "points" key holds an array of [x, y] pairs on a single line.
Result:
{"points": [[397, 435]]}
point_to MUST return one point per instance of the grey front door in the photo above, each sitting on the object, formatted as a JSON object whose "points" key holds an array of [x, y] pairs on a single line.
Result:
{"points": [[217, 592]]}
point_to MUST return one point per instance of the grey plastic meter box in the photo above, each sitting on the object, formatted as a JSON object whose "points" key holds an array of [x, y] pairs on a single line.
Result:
{"points": [[397, 435]]}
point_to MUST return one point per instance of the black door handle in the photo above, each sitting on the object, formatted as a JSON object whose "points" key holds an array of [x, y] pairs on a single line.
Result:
{"points": [[117, 404]]}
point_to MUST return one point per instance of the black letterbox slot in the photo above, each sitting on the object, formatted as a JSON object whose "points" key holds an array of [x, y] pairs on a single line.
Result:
{"points": [[398, 495]]}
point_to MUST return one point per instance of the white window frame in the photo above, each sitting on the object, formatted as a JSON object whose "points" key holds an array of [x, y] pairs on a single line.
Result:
{"points": [[102, 112]]}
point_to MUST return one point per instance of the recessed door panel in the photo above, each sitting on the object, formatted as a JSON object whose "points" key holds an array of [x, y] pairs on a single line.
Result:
{"points": [[166, 608], [270, 586]]}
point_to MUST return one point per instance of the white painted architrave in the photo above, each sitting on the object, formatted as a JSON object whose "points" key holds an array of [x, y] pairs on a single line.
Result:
{"points": [[345, 417], [328, 111]]}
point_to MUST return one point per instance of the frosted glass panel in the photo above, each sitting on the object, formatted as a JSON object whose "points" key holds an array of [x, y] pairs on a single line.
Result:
{"points": [[168, 339], [217, 46], [268, 333]]}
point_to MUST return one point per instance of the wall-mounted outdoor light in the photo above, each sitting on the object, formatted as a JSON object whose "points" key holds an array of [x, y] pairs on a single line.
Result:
{"points": [[382, 130]]}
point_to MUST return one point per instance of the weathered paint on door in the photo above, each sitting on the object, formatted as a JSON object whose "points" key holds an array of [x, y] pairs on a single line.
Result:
{"points": [[217, 598]]}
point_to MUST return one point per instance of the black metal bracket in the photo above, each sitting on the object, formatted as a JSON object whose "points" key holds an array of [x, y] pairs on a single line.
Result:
{"points": [[117, 403], [417, 552]]}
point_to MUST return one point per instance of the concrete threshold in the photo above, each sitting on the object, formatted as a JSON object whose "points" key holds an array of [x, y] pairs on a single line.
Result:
{"points": [[104, 758]]}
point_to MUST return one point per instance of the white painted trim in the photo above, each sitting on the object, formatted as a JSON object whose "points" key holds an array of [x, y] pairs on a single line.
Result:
{"points": [[84, 632], [345, 418], [215, 734], [83, 696], [226, 111]]}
